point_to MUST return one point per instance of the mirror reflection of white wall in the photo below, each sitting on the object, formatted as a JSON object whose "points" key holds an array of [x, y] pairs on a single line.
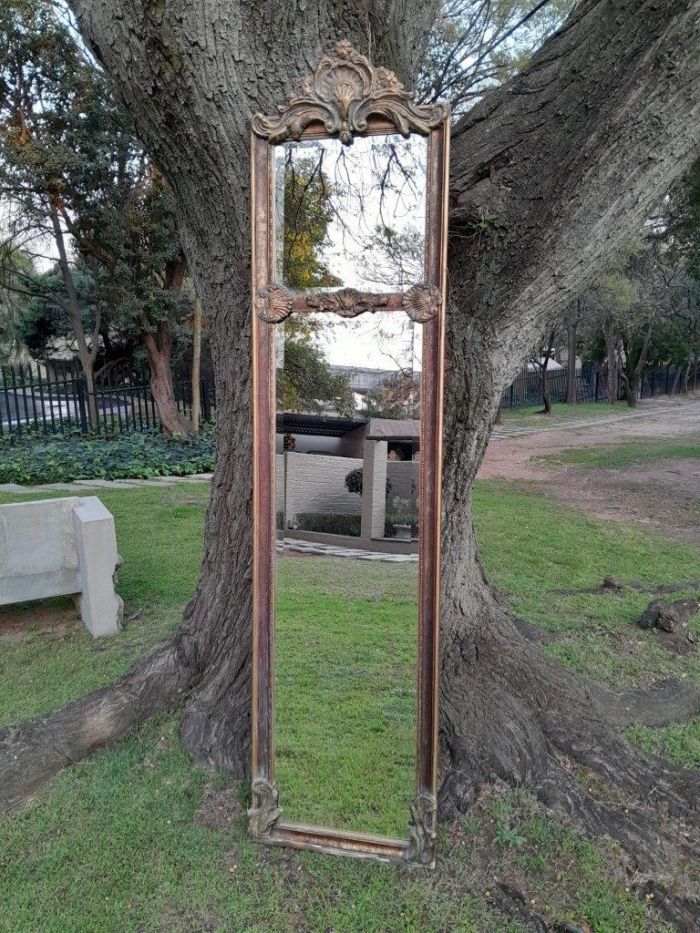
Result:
{"points": [[350, 216]]}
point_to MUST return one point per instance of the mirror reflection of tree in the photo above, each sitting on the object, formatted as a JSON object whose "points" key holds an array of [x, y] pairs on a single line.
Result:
{"points": [[307, 212], [397, 396], [359, 210], [306, 382]]}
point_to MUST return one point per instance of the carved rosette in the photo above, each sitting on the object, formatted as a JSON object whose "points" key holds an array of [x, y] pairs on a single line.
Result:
{"points": [[421, 829], [422, 303], [347, 302], [273, 303], [342, 94], [264, 816]]}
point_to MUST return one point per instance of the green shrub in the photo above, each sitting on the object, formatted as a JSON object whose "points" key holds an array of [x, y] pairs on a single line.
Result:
{"points": [[353, 482], [330, 523], [36, 458]]}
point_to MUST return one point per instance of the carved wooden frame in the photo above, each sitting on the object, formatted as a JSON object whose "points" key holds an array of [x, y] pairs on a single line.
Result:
{"points": [[345, 98]]}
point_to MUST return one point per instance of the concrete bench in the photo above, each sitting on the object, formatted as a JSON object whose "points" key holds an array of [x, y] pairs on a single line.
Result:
{"points": [[62, 547]]}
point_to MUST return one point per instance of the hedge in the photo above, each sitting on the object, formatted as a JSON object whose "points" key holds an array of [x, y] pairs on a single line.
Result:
{"points": [[330, 523], [33, 458]]}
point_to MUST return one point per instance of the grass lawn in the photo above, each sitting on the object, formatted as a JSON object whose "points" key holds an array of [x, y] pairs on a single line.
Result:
{"points": [[530, 416], [136, 838], [635, 451], [345, 692]]}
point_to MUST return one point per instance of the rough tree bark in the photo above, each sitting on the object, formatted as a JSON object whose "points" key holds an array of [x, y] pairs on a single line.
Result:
{"points": [[567, 157]]}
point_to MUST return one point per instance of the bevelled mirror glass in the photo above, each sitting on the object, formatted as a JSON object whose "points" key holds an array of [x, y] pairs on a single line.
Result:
{"points": [[349, 213], [350, 216], [346, 588]]}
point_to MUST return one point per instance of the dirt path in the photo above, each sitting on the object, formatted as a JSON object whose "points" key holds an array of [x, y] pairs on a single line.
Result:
{"points": [[664, 495]]}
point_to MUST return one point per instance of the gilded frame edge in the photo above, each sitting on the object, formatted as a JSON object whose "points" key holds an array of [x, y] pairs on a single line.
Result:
{"points": [[266, 823]]}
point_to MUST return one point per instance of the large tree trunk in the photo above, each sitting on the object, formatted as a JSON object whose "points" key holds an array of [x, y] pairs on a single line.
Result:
{"points": [[568, 158]]}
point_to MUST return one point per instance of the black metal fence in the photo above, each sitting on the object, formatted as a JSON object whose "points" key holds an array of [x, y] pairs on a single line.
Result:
{"points": [[38, 398], [592, 385]]}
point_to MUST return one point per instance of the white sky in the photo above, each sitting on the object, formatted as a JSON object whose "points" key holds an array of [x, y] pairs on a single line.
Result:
{"points": [[381, 341]]}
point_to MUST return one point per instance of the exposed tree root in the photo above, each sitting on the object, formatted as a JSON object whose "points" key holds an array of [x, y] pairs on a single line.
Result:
{"points": [[682, 912], [33, 751], [511, 713], [664, 702], [512, 903], [636, 586]]}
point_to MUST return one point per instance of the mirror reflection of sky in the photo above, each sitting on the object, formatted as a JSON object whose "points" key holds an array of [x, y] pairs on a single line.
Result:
{"points": [[388, 340], [355, 215]]}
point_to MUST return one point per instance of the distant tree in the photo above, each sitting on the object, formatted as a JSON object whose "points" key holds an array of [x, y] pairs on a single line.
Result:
{"points": [[13, 303], [397, 396], [74, 172], [541, 358], [306, 381]]}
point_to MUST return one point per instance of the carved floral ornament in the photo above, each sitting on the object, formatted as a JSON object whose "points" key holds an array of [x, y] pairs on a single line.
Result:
{"points": [[274, 303], [264, 816], [421, 830], [343, 93]]}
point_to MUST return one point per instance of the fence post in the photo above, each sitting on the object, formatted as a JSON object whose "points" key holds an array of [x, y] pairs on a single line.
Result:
{"points": [[597, 380], [80, 386], [653, 373]]}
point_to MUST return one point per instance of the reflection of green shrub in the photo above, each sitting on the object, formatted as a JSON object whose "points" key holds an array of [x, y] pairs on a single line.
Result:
{"points": [[353, 482], [37, 458], [330, 523]]}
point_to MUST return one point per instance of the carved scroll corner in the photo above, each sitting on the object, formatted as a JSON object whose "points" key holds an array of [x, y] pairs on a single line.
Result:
{"points": [[422, 302], [343, 92], [262, 818], [346, 302], [273, 303], [421, 829]]}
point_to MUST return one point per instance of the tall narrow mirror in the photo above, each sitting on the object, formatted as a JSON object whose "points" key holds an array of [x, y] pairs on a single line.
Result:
{"points": [[346, 588], [349, 216]]}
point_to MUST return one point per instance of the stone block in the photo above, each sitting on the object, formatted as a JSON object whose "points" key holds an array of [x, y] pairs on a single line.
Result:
{"points": [[62, 547]]}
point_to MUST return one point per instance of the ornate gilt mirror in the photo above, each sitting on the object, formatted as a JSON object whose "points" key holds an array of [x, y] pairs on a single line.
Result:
{"points": [[349, 227]]}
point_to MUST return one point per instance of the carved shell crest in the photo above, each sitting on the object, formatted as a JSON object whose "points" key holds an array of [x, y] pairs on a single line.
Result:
{"points": [[343, 93], [422, 302], [273, 303]]}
